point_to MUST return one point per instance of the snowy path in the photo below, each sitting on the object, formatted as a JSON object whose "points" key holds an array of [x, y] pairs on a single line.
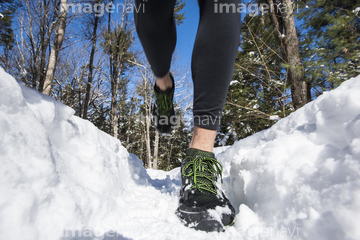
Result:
{"points": [[60, 176]]}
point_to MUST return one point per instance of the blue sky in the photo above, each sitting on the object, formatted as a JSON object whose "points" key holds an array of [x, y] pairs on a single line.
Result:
{"points": [[186, 33]]}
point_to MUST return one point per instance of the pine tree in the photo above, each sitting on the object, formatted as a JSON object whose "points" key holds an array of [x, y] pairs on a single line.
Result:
{"points": [[7, 10], [117, 45], [178, 15], [331, 46]]}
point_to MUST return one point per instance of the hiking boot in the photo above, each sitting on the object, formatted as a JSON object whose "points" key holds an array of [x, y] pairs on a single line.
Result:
{"points": [[202, 204], [163, 114]]}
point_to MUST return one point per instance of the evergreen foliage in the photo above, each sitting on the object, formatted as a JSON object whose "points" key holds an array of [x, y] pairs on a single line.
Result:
{"points": [[7, 11], [258, 94], [178, 15], [331, 42]]}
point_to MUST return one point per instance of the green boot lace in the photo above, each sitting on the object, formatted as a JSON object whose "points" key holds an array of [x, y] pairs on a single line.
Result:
{"points": [[203, 172]]}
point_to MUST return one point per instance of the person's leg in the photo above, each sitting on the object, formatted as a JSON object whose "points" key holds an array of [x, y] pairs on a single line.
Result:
{"points": [[213, 58], [155, 26], [156, 29]]}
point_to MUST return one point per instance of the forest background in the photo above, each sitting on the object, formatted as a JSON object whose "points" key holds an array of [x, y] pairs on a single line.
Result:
{"points": [[86, 54]]}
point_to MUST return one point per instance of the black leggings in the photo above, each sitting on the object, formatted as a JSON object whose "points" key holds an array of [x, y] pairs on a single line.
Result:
{"points": [[213, 56]]}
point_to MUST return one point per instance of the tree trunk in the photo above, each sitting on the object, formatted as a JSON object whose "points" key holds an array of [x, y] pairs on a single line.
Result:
{"points": [[113, 111], [141, 147], [113, 114], [296, 69], [156, 150], [285, 33], [147, 139], [147, 121], [114, 86], [91, 63], [44, 43], [116, 58], [58, 40], [169, 157]]}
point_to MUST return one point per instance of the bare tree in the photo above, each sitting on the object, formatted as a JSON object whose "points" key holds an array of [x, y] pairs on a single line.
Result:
{"points": [[91, 63], [145, 91], [117, 44], [37, 20], [58, 40], [156, 150]]}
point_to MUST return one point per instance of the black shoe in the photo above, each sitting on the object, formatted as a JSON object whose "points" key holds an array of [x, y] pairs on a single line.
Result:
{"points": [[202, 204], [163, 114]]}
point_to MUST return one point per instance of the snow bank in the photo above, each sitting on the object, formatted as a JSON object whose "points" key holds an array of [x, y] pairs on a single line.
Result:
{"points": [[301, 178], [62, 178]]}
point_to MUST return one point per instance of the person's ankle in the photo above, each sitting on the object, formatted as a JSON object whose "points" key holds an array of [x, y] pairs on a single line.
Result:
{"points": [[203, 139], [164, 83], [202, 148]]}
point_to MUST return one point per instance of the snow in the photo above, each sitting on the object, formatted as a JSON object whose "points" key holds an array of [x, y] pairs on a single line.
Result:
{"points": [[61, 176], [274, 117], [356, 10], [233, 82]]}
